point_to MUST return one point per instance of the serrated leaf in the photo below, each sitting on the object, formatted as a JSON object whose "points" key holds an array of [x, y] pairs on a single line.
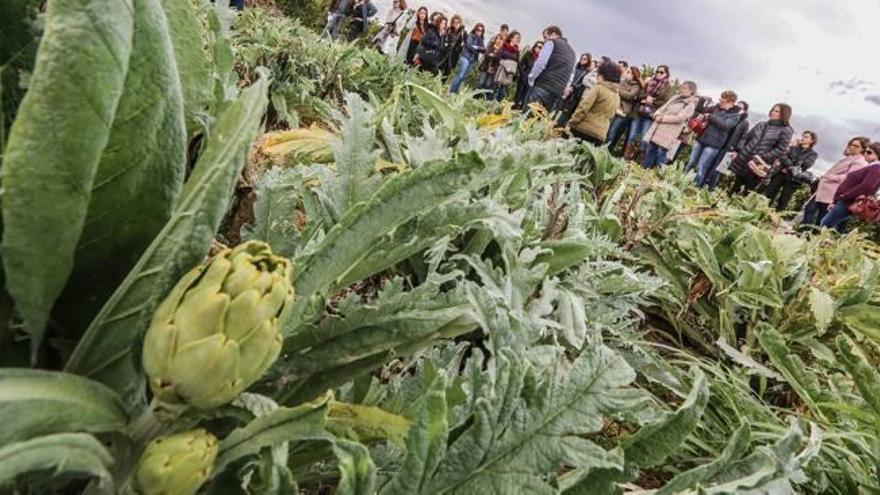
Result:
{"points": [[425, 443], [822, 307], [104, 353], [792, 367], [865, 376], [84, 51], [653, 443], [70, 453], [438, 105], [305, 422], [736, 448], [36, 402]]}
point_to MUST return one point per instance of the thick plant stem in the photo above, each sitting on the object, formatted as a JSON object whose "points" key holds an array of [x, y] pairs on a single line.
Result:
{"points": [[141, 431]]}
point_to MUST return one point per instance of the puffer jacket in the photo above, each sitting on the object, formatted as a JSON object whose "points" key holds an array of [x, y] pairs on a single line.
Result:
{"points": [[768, 139], [721, 125], [669, 120], [631, 93], [596, 109]]}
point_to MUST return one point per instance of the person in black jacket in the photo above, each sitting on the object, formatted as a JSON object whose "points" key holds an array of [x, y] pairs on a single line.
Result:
{"points": [[573, 93], [362, 14], [722, 119], [767, 140], [792, 172], [453, 43], [522, 74], [430, 52]]}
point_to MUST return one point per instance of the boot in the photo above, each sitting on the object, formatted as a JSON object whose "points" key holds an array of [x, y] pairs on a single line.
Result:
{"points": [[631, 152]]}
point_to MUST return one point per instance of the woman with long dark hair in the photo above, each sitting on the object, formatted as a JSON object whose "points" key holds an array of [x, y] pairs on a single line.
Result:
{"points": [[793, 171], [505, 75], [473, 47], [762, 146], [430, 52], [418, 31], [624, 124], [658, 91], [522, 73], [488, 67], [453, 44]]}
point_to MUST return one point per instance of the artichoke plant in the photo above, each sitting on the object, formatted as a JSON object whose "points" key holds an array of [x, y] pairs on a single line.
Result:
{"points": [[177, 464], [218, 330]]}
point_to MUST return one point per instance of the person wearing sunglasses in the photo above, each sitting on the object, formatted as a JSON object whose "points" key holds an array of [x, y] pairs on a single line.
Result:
{"points": [[862, 183], [658, 91], [853, 160], [522, 74], [473, 47]]}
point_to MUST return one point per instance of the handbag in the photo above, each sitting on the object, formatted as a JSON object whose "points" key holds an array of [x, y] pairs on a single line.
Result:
{"points": [[698, 124], [506, 72], [760, 169], [867, 208], [724, 164]]}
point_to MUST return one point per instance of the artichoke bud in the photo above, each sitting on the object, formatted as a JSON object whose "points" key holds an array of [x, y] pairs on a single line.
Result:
{"points": [[176, 465], [218, 330]]}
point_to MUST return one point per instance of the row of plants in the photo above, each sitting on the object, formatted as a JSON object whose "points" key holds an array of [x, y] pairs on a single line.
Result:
{"points": [[421, 294]]}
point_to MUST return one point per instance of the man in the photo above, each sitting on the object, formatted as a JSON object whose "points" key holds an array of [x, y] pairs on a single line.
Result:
{"points": [[553, 70], [363, 12], [338, 13]]}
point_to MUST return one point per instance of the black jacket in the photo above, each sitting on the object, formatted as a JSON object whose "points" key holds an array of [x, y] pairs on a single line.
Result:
{"points": [[721, 125], [795, 163], [431, 49], [741, 129], [769, 140], [453, 44]]}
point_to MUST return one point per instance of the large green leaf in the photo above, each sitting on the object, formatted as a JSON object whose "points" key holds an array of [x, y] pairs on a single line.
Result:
{"points": [[654, 442], [139, 176], [104, 353], [865, 376], [71, 453], [304, 422], [188, 38], [35, 402], [425, 444], [734, 450], [532, 426], [356, 469], [54, 148], [397, 200]]}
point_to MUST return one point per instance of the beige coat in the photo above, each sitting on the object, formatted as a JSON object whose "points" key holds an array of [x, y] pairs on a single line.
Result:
{"points": [[669, 120], [596, 109]]}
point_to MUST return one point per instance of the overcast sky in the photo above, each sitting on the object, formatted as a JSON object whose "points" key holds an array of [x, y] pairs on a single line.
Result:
{"points": [[816, 55]]}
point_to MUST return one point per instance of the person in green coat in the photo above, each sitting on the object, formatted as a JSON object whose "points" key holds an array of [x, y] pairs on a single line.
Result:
{"points": [[592, 118]]}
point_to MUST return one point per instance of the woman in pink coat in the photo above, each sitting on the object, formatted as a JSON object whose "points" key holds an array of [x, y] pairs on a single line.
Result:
{"points": [[853, 160]]}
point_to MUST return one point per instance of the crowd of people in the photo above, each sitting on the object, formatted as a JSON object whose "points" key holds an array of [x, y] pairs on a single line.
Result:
{"points": [[641, 114]]}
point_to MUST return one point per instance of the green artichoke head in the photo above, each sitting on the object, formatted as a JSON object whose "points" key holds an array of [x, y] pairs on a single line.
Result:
{"points": [[218, 330], [176, 465]]}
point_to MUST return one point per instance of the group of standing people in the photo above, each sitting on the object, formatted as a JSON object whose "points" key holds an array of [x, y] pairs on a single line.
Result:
{"points": [[643, 115]]}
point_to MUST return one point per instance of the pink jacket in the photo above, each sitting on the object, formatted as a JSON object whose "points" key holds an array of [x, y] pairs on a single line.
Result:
{"points": [[835, 176]]}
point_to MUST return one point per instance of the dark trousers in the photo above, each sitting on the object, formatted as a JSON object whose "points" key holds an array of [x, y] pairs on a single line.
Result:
{"points": [[745, 183], [411, 52], [580, 136], [814, 212], [522, 89], [780, 190], [543, 96], [837, 216], [569, 105]]}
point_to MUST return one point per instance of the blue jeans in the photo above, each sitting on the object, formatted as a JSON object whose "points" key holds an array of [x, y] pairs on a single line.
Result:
{"points": [[814, 212], [837, 216], [639, 129], [239, 4], [703, 160], [655, 156], [464, 68], [501, 92], [619, 127]]}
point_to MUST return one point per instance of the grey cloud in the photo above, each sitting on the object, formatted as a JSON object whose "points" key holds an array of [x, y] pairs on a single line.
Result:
{"points": [[834, 134], [875, 99], [850, 86]]}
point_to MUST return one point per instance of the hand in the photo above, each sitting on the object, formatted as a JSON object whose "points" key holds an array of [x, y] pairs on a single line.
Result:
{"points": [[649, 100], [567, 92]]}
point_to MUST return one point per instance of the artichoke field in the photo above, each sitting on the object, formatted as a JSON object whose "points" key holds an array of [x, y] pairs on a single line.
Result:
{"points": [[238, 259]]}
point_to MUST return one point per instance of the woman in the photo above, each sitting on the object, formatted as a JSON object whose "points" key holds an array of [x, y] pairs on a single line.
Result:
{"points": [[453, 43], [766, 143], [473, 47], [575, 91], [506, 73], [522, 73], [418, 31], [488, 67], [658, 91], [792, 172], [864, 182], [853, 161], [430, 51], [593, 115], [722, 119], [631, 92], [668, 121], [392, 26]]}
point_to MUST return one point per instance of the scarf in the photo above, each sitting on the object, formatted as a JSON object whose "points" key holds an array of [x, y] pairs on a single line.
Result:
{"points": [[656, 86]]}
